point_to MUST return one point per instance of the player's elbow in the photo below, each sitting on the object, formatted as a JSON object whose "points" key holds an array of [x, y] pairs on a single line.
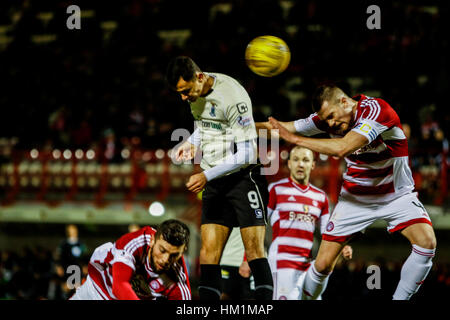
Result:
{"points": [[342, 151]]}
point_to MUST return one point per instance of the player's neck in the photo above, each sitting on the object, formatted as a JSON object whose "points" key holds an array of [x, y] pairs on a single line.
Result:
{"points": [[209, 82], [354, 107], [301, 183]]}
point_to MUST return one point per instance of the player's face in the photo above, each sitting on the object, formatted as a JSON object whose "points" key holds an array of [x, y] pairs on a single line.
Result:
{"points": [[336, 115], [191, 90], [300, 164], [163, 255]]}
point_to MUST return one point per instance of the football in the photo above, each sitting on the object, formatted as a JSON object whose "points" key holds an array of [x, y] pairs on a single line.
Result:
{"points": [[267, 56]]}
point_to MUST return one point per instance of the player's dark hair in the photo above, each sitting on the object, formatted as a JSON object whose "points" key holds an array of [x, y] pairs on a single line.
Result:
{"points": [[324, 92], [180, 66], [174, 232]]}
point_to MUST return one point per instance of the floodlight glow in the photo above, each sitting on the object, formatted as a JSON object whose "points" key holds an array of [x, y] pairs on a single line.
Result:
{"points": [[156, 209]]}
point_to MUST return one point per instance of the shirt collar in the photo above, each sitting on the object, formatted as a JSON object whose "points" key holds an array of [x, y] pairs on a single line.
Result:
{"points": [[301, 187]]}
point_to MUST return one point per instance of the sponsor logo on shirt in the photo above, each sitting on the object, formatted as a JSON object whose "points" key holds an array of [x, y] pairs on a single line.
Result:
{"points": [[207, 124], [244, 121], [258, 213], [302, 216], [369, 147]]}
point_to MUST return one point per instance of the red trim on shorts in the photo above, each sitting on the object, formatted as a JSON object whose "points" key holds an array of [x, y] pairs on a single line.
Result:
{"points": [[336, 238], [403, 225]]}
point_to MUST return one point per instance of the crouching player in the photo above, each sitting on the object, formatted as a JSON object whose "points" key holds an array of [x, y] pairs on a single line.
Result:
{"points": [[147, 264]]}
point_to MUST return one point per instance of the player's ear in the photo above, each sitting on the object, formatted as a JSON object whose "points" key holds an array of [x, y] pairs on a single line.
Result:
{"points": [[152, 241], [313, 165], [200, 76]]}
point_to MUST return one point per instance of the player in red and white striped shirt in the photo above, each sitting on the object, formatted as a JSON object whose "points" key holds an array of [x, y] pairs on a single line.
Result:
{"points": [[295, 208], [147, 264], [378, 182]]}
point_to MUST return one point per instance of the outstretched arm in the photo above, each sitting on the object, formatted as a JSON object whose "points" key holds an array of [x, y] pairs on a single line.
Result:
{"points": [[268, 127], [339, 147], [121, 286]]}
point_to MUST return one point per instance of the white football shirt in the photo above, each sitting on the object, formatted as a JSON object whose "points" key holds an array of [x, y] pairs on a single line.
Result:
{"points": [[224, 117]]}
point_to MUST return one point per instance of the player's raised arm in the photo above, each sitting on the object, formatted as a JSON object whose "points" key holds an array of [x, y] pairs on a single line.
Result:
{"points": [[266, 126], [339, 147]]}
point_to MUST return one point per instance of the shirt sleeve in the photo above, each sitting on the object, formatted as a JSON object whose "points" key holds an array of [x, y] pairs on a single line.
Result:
{"points": [[241, 121], [377, 117], [324, 216], [272, 200], [246, 153], [195, 137], [121, 286], [310, 126]]}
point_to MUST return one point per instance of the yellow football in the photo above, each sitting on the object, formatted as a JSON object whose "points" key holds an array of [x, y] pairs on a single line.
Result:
{"points": [[267, 56]]}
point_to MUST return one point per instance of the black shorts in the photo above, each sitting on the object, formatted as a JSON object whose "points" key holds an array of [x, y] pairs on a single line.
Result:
{"points": [[237, 200]]}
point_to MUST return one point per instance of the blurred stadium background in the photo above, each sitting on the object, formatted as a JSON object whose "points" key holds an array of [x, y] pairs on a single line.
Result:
{"points": [[86, 120]]}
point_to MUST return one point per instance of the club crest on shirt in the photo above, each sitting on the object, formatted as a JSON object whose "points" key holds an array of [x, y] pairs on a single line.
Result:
{"points": [[155, 284], [330, 226], [212, 112]]}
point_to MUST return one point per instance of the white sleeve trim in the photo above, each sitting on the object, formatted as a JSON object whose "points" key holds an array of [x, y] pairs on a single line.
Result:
{"points": [[195, 138], [307, 126], [246, 153]]}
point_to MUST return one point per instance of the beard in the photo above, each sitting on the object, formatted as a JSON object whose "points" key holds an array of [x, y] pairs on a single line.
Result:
{"points": [[152, 263]]}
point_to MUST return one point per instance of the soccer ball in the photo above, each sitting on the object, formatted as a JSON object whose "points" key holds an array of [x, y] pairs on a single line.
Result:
{"points": [[267, 56]]}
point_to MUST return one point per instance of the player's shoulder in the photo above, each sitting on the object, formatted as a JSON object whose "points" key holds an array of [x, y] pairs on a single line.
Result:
{"points": [[377, 109], [229, 89], [318, 194], [283, 182], [222, 78], [137, 238], [317, 190]]}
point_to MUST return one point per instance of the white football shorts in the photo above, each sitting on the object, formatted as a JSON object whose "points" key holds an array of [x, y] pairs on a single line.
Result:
{"points": [[349, 217]]}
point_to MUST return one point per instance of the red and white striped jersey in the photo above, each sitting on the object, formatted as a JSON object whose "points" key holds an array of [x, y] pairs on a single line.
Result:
{"points": [[379, 172], [132, 250], [294, 211]]}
